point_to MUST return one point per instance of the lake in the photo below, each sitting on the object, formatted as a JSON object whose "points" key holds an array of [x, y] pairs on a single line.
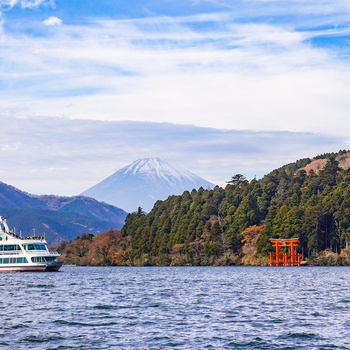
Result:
{"points": [[177, 308]]}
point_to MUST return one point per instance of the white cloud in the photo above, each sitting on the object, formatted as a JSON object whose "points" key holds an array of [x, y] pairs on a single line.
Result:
{"points": [[209, 70], [25, 4], [37, 3], [10, 147], [52, 21], [65, 157], [7, 3]]}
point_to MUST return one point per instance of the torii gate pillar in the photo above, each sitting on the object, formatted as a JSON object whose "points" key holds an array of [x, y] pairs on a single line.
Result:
{"points": [[289, 256]]}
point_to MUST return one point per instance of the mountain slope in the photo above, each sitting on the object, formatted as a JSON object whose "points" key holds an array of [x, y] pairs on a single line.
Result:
{"points": [[55, 226], [58, 218], [93, 209], [11, 197], [317, 164], [143, 182]]}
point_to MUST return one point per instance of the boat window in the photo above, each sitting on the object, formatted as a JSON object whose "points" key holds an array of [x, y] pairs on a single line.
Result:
{"points": [[22, 260], [40, 247], [33, 246], [37, 259], [9, 247], [50, 259]]}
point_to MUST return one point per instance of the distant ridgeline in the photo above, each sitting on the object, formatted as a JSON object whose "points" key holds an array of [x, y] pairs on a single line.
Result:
{"points": [[309, 199]]}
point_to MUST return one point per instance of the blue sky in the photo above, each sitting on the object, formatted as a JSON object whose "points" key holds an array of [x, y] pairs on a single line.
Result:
{"points": [[265, 66]]}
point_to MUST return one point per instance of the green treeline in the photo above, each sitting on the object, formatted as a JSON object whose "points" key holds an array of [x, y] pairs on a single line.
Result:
{"points": [[224, 226]]}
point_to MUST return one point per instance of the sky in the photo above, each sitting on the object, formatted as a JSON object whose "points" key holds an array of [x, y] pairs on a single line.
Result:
{"points": [[217, 87]]}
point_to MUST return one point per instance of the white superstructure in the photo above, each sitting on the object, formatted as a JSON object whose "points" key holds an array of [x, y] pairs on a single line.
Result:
{"points": [[27, 254]]}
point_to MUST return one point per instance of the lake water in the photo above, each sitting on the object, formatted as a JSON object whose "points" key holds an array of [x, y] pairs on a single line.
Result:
{"points": [[177, 308]]}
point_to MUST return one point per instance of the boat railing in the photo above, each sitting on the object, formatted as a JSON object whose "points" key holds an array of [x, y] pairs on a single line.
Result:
{"points": [[42, 252], [12, 235], [41, 238], [53, 252], [8, 235]]}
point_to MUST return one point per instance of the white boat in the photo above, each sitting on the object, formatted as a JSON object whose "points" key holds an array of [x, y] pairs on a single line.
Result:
{"points": [[25, 254]]}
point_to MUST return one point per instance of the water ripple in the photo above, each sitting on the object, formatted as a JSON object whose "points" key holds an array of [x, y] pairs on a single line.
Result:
{"points": [[177, 308]]}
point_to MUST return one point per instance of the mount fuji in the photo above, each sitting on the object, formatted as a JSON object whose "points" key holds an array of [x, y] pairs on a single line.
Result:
{"points": [[143, 182]]}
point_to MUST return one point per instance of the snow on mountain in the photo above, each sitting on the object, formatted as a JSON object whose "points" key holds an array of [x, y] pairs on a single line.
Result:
{"points": [[143, 182]]}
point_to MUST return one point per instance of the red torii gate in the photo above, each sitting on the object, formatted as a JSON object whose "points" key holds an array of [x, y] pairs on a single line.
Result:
{"points": [[289, 256]]}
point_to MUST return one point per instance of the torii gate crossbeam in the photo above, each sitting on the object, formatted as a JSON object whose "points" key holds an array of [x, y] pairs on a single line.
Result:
{"points": [[289, 256]]}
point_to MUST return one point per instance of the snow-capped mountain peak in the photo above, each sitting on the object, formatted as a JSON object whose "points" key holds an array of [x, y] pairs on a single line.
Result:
{"points": [[157, 167], [143, 182]]}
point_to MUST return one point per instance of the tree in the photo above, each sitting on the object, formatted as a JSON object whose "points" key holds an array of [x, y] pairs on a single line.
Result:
{"points": [[238, 180]]}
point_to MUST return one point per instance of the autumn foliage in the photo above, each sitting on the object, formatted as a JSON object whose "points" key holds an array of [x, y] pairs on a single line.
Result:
{"points": [[101, 250]]}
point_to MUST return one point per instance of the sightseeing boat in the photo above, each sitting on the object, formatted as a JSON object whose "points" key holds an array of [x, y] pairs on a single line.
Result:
{"points": [[25, 254]]}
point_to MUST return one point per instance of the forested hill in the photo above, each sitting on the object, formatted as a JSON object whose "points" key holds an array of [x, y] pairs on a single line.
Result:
{"points": [[233, 225]]}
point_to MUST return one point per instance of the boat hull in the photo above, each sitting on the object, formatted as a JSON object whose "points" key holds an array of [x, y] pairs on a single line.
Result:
{"points": [[54, 266], [23, 268]]}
